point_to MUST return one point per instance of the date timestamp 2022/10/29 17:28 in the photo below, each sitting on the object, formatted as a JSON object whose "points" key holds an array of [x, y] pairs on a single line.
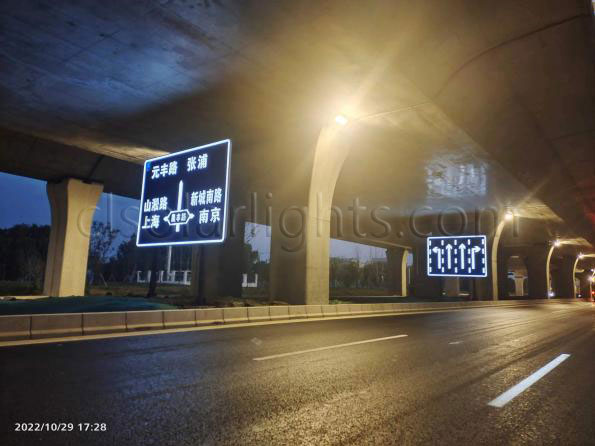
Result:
{"points": [[60, 427]]}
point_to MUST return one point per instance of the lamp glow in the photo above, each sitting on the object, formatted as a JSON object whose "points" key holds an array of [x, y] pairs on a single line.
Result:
{"points": [[508, 216], [341, 120], [557, 243]]}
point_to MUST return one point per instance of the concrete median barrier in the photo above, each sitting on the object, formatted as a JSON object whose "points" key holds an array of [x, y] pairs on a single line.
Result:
{"points": [[297, 312], [235, 315], [258, 314], [22, 327], [279, 312], [15, 327], [144, 320], [209, 316], [386, 308], [343, 310], [367, 308], [98, 323], [56, 325], [355, 308], [314, 311], [329, 310], [179, 318]]}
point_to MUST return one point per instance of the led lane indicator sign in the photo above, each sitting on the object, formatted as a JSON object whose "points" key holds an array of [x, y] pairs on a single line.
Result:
{"points": [[184, 197], [464, 256]]}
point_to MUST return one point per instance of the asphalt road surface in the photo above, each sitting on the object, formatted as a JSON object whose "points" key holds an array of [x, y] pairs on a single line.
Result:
{"points": [[300, 383]]}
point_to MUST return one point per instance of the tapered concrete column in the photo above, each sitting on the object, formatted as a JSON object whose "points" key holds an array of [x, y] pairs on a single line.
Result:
{"points": [[564, 277], [538, 267], [300, 227], [72, 204], [396, 259]]}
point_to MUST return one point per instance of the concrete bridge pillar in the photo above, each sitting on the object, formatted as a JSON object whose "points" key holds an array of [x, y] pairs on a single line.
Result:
{"points": [[72, 204], [538, 268], [300, 226], [217, 269], [396, 259], [586, 286], [564, 277]]}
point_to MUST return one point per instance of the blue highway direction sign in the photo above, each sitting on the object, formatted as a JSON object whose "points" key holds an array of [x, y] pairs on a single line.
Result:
{"points": [[461, 256], [184, 197]]}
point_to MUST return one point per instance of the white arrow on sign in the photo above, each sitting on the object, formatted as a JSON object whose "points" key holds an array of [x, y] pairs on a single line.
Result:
{"points": [[449, 255], [474, 252], [438, 252], [461, 249]]}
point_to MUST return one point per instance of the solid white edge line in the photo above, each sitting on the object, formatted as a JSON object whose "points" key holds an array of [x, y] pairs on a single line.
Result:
{"points": [[516, 390], [328, 347]]}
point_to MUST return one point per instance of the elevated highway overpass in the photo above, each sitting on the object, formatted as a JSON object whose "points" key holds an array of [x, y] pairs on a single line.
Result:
{"points": [[458, 114]]}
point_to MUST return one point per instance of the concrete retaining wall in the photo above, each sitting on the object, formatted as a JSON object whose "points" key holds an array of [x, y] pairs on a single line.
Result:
{"points": [[76, 324]]}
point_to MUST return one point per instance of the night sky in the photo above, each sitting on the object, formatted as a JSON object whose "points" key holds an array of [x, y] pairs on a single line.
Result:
{"points": [[25, 201]]}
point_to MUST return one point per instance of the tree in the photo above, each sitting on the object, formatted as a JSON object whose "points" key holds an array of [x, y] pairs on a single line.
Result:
{"points": [[127, 261], [23, 251], [348, 273], [100, 248]]}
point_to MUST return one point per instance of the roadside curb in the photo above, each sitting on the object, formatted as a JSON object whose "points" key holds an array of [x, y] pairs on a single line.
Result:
{"points": [[43, 326]]}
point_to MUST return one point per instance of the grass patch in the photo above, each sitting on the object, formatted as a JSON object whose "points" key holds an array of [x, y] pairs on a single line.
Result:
{"points": [[342, 292], [14, 288], [52, 305]]}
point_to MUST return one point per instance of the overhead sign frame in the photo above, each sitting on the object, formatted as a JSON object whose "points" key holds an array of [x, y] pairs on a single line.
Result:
{"points": [[182, 194], [445, 262]]}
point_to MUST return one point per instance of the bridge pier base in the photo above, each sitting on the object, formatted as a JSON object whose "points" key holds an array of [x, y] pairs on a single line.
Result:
{"points": [[72, 204]]}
